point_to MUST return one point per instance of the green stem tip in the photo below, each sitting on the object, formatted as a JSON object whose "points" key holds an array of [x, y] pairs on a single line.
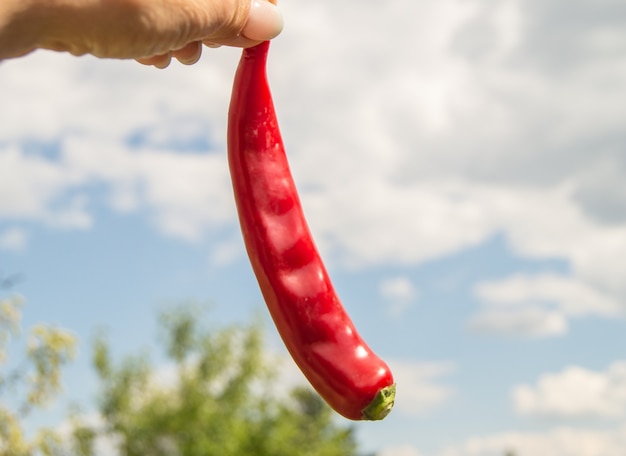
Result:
{"points": [[381, 405]]}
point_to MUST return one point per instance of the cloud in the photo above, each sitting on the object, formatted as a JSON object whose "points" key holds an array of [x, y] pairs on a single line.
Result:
{"points": [[145, 139], [13, 239], [456, 144], [575, 392], [226, 252], [560, 441], [400, 450], [523, 322], [110, 99], [566, 293], [185, 193], [398, 288], [37, 189], [419, 385], [539, 305], [555, 442], [557, 227], [399, 292]]}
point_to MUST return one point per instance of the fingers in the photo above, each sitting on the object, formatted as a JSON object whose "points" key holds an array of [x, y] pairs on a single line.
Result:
{"points": [[159, 61], [264, 22], [187, 55]]}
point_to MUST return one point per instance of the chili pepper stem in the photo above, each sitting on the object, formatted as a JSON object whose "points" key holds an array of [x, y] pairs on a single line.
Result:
{"points": [[381, 405]]}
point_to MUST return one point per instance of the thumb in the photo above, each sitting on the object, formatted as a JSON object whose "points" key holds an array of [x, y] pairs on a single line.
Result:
{"points": [[265, 21]]}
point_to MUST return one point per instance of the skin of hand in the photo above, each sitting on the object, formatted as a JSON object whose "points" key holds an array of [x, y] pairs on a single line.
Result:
{"points": [[149, 31]]}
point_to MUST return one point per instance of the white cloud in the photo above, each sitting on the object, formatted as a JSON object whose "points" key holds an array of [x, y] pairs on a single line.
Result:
{"points": [[186, 193], [13, 239], [406, 223], [110, 99], [566, 293], [454, 147], [420, 388], [561, 441], [539, 305], [400, 450], [555, 442], [575, 392], [399, 292], [71, 130], [550, 224], [525, 322], [398, 288], [37, 189], [226, 252]]}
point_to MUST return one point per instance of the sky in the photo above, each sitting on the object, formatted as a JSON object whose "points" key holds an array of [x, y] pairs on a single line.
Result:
{"points": [[461, 164]]}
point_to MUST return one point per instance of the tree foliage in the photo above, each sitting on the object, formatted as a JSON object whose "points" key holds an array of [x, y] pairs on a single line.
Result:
{"points": [[218, 394], [30, 383], [218, 398]]}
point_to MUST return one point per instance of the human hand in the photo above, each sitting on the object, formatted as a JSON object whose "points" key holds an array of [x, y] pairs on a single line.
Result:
{"points": [[150, 31]]}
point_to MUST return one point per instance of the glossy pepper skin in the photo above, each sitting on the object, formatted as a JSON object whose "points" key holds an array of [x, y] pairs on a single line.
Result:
{"points": [[301, 299]]}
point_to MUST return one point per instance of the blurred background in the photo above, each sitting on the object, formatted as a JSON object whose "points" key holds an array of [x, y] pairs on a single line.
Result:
{"points": [[461, 164]]}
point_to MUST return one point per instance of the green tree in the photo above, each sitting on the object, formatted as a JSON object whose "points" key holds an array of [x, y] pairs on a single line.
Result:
{"points": [[33, 381], [219, 398]]}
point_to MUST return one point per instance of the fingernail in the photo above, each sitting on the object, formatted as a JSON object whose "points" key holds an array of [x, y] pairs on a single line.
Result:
{"points": [[264, 22]]}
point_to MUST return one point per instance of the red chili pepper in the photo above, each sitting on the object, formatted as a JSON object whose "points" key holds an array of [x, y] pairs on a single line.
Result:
{"points": [[311, 320]]}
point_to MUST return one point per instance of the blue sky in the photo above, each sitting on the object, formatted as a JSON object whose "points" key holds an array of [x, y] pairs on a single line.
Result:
{"points": [[461, 164]]}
